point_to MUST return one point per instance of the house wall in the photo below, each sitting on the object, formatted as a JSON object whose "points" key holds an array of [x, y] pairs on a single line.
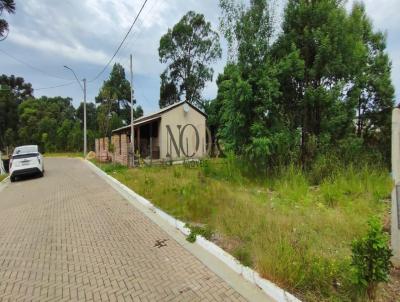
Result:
{"points": [[121, 143], [186, 146], [102, 153]]}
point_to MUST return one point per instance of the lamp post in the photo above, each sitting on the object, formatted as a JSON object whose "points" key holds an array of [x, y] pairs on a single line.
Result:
{"points": [[84, 109]]}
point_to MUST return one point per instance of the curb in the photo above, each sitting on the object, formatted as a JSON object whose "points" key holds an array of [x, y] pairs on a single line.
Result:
{"points": [[5, 180], [270, 289], [4, 183]]}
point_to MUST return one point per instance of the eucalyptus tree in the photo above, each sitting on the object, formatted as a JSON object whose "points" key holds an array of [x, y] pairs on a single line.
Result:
{"points": [[189, 49]]}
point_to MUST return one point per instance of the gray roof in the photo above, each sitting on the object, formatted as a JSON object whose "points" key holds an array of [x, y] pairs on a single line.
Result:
{"points": [[157, 115]]}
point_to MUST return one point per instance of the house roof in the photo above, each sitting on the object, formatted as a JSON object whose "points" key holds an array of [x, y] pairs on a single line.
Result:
{"points": [[157, 115]]}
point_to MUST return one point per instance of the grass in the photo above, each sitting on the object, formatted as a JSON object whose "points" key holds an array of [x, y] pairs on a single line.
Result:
{"points": [[64, 154], [293, 232], [2, 177]]}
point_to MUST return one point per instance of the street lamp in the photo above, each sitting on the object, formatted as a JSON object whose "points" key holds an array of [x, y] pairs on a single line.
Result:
{"points": [[84, 109]]}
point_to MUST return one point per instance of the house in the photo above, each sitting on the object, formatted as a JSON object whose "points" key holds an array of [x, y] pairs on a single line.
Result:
{"points": [[173, 133]]}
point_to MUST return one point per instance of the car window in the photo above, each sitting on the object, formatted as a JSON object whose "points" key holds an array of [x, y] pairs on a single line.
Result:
{"points": [[25, 150]]}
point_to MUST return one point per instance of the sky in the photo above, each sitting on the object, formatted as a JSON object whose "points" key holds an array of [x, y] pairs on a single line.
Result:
{"points": [[83, 34]]}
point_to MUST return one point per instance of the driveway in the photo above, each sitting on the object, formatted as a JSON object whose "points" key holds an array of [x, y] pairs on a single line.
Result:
{"points": [[71, 236]]}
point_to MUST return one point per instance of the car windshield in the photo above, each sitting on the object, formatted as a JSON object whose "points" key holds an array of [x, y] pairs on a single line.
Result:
{"points": [[25, 150]]}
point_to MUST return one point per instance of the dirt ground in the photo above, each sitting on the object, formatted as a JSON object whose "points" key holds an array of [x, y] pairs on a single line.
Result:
{"points": [[390, 292]]}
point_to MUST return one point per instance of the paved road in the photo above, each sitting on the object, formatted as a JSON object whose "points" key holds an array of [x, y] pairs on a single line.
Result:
{"points": [[70, 236]]}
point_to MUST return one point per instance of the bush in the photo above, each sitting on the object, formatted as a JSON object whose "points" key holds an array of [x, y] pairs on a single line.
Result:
{"points": [[371, 258]]}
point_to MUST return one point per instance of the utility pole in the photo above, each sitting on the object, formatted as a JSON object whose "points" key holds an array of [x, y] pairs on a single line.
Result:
{"points": [[84, 109], [132, 127], [84, 120]]}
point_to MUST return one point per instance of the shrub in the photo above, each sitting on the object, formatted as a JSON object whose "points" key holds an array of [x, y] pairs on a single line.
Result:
{"points": [[371, 258], [323, 167]]}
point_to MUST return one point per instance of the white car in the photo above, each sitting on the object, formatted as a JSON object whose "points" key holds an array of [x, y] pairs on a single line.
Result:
{"points": [[26, 160]]}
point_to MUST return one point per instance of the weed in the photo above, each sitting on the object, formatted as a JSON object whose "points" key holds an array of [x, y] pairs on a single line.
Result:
{"points": [[113, 168], [195, 230], [243, 254], [292, 232], [371, 258]]}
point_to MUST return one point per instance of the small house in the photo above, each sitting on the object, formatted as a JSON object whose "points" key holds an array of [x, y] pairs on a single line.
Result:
{"points": [[173, 133]]}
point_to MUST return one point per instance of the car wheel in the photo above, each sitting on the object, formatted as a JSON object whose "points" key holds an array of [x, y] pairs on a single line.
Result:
{"points": [[41, 174], [12, 178]]}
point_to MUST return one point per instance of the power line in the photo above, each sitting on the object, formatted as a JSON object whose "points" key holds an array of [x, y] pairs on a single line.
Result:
{"points": [[120, 45], [134, 34], [31, 66], [56, 86]]}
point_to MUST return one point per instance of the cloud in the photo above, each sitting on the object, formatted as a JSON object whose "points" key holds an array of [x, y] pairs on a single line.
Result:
{"points": [[76, 52]]}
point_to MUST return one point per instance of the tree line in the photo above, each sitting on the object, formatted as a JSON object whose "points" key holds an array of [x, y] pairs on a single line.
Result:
{"points": [[53, 123], [318, 83]]}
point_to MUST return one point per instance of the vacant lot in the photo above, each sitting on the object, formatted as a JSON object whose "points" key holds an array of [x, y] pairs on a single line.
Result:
{"points": [[292, 231]]}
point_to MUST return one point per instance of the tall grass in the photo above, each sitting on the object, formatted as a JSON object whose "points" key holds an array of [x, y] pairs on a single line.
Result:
{"points": [[291, 230]]}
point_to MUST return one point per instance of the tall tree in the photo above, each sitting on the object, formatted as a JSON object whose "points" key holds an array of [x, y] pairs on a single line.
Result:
{"points": [[91, 123], [9, 7], [114, 98], [18, 87], [46, 122], [252, 123], [338, 53], [13, 91], [189, 48], [372, 91], [117, 91]]}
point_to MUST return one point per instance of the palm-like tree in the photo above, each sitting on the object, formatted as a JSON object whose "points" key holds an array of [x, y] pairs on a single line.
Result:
{"points": [[8, 6]]}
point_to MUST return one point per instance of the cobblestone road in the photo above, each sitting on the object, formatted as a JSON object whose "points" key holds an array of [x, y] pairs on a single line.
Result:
{"points": [[70, 237]]}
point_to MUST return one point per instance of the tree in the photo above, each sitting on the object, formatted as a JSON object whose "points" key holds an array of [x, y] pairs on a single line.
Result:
{"points": [[9, 7], [189, 48], [91, 123], [372, 91], [252, 123], [316, 38], [168, 92], [327, 69], [19, 89], [114, 97], [330, 56], [46, 122], [13, 92]]}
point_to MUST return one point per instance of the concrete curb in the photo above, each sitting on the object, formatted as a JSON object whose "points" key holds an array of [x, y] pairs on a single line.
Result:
{"points": [[271, 290], [4, 183]]}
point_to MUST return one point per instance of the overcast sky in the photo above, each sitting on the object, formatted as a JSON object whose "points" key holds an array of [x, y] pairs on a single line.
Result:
{"points": [[83, 34]]}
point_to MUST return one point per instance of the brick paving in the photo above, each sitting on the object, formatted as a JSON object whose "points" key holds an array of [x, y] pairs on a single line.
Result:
{"points": [[70, 237]]}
